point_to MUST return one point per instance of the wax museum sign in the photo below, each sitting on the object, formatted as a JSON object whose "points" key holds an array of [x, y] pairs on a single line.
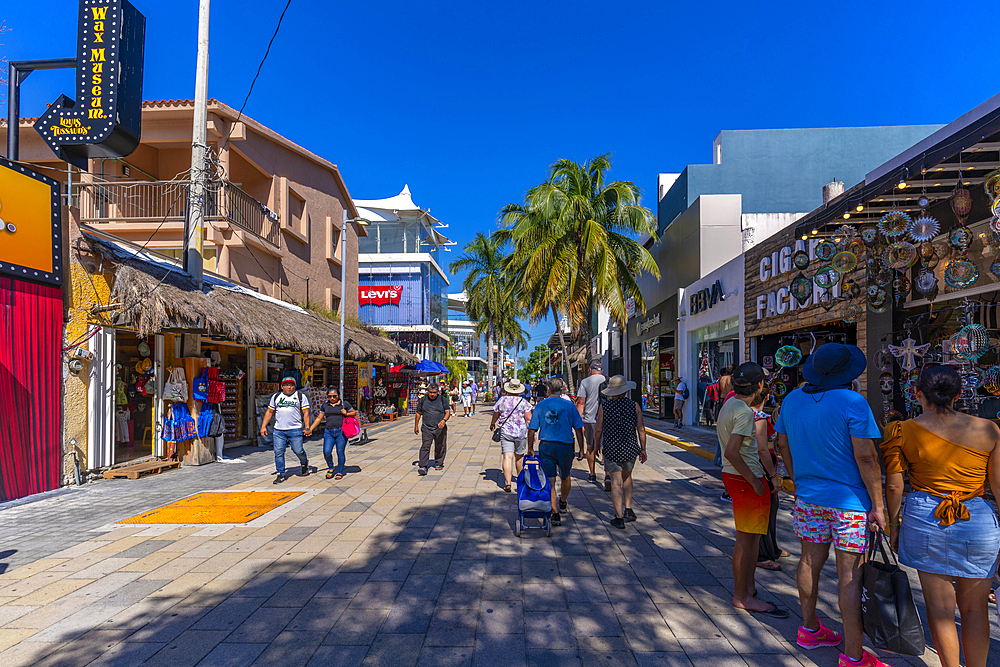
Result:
{"points": [[379, 296], [104, 121]]}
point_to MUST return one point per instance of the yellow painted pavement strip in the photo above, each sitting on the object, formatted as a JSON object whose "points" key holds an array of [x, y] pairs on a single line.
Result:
{"points": [[216, 507]]}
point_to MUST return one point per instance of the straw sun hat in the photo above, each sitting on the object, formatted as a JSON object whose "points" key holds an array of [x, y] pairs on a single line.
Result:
{"points": [[514, 387], [617, 385]]}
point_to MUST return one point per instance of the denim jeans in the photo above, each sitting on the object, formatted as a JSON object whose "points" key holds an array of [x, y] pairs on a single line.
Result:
{"points": [[293, 437], [331, 437]]}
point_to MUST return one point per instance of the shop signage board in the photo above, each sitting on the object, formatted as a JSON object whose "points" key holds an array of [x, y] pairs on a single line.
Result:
{"points": [[104, 120], [379, 295], [31, 215], [706, 298], [776, 269], [646, 325]]}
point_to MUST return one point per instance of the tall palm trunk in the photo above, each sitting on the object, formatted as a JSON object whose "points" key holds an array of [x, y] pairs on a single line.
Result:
{"points": [[565, 354]]}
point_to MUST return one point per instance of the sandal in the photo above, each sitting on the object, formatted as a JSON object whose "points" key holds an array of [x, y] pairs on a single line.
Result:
{"points": [[773, 612], [507, 488], [769, 565], [329, 474], [439, 467], [339, 475]]}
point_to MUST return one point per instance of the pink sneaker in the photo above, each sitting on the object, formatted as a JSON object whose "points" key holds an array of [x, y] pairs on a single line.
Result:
{"points": [[824, 636], [867, 660]]}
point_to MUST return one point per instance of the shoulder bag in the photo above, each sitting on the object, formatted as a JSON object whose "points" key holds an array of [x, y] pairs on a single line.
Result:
{"points": [[496, 431]]}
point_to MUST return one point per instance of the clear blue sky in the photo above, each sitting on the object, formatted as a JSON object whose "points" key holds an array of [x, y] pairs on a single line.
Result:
{"points": [[469, 103]]}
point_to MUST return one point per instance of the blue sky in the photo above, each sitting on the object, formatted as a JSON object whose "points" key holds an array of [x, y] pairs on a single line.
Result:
{"points": [[468, 103]]}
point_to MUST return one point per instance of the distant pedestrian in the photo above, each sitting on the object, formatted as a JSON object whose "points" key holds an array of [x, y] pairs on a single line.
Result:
{"points": [[454, 395], [725, 387], [290, 409], [825, 434], [588, 400], [744, 477], [681, 393], [466, 394], [622, 436], [473, 396], [539, 392], [554, 421], [333, 411], [948, 530], [435, 410], [513, 413]]}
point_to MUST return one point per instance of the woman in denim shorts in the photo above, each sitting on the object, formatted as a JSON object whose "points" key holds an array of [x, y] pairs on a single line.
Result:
{"points": [[947, 531], [622, 435]]}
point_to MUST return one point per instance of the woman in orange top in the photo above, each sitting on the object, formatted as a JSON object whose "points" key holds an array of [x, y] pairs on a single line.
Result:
{"points": [[949, 533]]}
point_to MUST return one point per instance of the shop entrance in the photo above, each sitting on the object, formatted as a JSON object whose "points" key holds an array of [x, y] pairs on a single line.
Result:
{"points": [[134, 397], [233, 363]]}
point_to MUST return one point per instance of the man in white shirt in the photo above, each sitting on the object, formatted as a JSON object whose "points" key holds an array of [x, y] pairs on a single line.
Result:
{"points": [[680, 396], [588, 400], [290, 409]]}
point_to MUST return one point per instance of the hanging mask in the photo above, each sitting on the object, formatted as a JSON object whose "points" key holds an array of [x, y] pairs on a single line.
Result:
{"points": [[886, 383]]}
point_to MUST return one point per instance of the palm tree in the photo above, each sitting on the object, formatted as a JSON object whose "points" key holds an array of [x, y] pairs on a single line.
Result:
{"points": [[574, 245], [484, 283], [511, 333]]}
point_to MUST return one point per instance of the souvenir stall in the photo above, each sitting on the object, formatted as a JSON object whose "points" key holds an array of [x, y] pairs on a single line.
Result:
{"points": [[134, 396], [232, 362]]}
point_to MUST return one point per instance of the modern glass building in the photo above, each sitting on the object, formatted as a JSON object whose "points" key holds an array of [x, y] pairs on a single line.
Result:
{"points": [[401, 285], [467, 344]]}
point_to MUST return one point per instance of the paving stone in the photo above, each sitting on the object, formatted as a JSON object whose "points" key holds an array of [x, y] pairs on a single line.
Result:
{"points": [[343, 585], [500, 650], [392, 570], [715, 652], [452, 627], [230, 654], [409, 616], [290, 649], [445, 656], [502, 617], [549, 658], [394, 650], [552, 630], [229, 614], [188, 648], [262, 626], [358, 627]]}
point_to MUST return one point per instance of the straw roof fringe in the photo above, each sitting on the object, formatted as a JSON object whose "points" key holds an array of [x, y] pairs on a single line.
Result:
{"points": [[156, 297]]}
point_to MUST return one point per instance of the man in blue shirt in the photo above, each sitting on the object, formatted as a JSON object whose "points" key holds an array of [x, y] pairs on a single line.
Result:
{"points": [[554, 420], [825, 433]]}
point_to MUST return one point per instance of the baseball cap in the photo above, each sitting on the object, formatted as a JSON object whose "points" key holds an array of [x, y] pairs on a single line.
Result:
{"points": [[288, 378], [596, 365], [748, 374]]}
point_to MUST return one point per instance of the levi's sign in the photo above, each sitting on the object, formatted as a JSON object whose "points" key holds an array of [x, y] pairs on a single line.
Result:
{"points": [[105, 119], [379, 296]]}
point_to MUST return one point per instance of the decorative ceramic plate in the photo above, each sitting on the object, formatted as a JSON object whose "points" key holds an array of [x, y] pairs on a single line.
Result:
{"points": [[924, 229], [879, 299], [825, 251], [900, 255], [879, 309], [852, 313], [826, 300], [801, 288], [960, 238], [894, 224], [800, 258], [844, 262], [960, 273], [788, 356], [826, 277], [869, 234]]}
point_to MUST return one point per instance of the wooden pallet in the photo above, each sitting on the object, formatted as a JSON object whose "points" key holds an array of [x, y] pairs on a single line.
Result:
{"points": [[141, 469]]}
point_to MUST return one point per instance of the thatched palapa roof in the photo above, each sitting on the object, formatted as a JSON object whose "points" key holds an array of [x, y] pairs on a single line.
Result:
{"points": [[156, 296]]}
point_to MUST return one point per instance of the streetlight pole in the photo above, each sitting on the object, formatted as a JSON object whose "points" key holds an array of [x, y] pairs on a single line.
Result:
{"points": [[199, 137]]}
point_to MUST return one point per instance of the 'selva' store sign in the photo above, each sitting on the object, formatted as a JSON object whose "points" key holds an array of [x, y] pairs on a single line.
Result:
{"points": [[379, 296]]}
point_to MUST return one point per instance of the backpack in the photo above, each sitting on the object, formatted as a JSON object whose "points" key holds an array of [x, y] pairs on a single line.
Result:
{"points": [[686, 393], [274, 397]]}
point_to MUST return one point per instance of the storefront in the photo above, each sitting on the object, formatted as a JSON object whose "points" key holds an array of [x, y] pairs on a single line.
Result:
{"points": [[710, 334], [654, 357], [800, 294]]}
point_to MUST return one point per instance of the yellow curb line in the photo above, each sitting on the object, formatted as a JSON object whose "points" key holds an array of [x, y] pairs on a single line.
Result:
{"points": [[694, 449]]}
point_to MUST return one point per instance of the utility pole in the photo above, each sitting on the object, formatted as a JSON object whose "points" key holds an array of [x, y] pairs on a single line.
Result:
{"points": [[199, 147], [343, 301]]}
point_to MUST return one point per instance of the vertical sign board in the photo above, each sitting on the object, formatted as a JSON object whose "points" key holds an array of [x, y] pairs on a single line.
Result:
{"points": [[105, 119], [31, 320]]}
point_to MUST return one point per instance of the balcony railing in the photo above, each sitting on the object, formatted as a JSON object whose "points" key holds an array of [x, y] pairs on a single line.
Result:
{"points": [[167, 201]]}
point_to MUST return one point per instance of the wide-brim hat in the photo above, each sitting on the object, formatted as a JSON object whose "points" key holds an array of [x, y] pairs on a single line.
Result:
{"points": [[618, 385], [514, 387], [834, 364]]}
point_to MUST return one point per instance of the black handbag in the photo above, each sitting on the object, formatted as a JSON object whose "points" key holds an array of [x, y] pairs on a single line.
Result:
{"points": [[887, 610]]}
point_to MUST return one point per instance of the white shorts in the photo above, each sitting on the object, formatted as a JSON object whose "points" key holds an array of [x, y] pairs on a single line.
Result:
{"points": [[466, 401]]}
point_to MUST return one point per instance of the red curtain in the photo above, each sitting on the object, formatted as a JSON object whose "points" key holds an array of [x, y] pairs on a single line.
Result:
{"points": [[31, 319]]}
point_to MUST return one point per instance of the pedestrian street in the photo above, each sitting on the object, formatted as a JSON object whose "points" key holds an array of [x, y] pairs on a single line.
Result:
{"points": [[386, 567]]}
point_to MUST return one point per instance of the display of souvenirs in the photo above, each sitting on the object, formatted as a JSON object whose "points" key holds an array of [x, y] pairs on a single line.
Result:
{"points": [[924, 229], [960, 273], [844, 262], [800, 258], [894, 223], [825, 251]]}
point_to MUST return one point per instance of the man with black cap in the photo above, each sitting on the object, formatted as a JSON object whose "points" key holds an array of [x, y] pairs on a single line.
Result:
{"points": [[743, 473], [290, 409], [825, 433], [588, 400]]}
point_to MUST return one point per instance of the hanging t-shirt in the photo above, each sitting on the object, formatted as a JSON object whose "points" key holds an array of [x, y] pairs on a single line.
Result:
{"points": [[819, 429], [288, 410]]}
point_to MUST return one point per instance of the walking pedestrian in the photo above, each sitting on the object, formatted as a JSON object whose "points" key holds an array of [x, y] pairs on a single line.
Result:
{"points": [[453, 396], [622, 436], [539, 392], [333, 411], [825, 434], [474, 388], [744, 477], [725, 388], [947, 531], [588, 400], [513, 412], [554, 421], [466, 398], [433, 407], [768, 552], [290, 409], [681, 393]]}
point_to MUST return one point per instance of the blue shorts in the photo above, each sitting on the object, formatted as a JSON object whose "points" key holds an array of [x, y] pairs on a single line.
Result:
{"points": [[963, 549], [554, 455]]}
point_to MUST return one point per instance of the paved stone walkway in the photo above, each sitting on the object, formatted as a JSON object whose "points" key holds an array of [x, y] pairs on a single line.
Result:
{"points": [[389, 568]]}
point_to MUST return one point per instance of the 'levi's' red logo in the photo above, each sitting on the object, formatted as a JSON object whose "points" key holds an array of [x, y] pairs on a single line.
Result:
{"points": [[379, 296]]}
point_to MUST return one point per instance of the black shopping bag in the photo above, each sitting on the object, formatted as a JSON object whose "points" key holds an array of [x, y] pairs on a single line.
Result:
{"points": [[887, 610]]}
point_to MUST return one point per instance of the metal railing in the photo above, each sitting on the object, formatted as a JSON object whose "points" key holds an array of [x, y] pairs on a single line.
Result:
{"points": [[167, 201]]}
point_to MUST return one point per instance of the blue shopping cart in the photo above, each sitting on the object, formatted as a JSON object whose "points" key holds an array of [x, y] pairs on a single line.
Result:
{"points": [[534, 496]]}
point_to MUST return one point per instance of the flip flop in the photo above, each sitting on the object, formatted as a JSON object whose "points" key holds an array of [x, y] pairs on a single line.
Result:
{"points": [[338, 476], [329, 475], [773, 612], [769, 565]]}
